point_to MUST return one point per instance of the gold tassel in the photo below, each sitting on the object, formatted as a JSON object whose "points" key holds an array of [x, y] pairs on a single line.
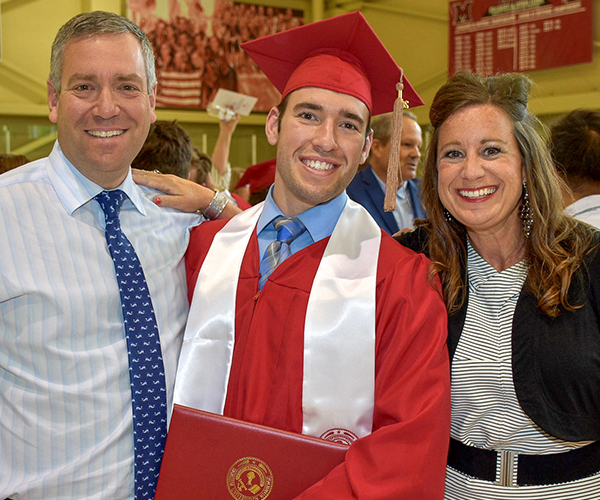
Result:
{"points": [[391, 185]]}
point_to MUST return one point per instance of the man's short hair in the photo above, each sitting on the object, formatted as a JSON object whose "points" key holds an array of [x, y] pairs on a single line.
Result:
{"points": [[576, 146], [90, 24], [168, 148], [382, 126], [8, 162]]}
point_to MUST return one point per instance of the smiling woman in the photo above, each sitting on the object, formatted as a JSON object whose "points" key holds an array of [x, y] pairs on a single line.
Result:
{"points": [[521, 282], [480, 177]]}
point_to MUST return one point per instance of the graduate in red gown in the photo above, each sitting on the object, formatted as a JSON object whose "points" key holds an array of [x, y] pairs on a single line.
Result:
{"points": [[331, 329]]}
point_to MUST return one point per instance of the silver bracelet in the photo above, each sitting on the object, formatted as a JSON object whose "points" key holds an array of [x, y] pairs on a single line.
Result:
{"points": [[215, 207]]}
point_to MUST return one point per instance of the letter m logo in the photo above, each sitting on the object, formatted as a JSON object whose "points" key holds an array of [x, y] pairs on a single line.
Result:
{"points": [[462, 12]]}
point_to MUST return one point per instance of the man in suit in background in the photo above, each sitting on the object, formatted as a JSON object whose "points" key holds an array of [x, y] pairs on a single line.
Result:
{"points": [[368, 186]]}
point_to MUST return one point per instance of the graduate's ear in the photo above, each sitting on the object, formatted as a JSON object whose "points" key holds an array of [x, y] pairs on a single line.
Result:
{"points": [[368, 146], [272, 126]]}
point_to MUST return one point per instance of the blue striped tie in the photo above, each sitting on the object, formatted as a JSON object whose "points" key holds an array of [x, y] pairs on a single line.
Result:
{"points": [[146, 371], [288, 229]]}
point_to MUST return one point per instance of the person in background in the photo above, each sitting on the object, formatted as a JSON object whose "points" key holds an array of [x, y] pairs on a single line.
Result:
{"points": [[337, 332], [521, 281], [201, 172], [255, 182], [576, 152], [368, 186], [221, 171], [92, 282], [168, 149], [9, 161]]}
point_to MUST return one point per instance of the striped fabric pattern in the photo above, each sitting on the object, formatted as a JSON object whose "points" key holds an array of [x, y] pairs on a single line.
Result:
{"points": [[180, 89], [485, 409], [288, 229], [65, 402]]}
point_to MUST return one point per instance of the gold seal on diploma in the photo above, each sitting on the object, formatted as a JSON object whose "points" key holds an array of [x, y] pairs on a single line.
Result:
{"points": [[249, 478]]}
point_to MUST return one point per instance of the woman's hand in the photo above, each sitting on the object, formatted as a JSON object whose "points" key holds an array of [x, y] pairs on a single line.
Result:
{"points": [[402, 231], [181, 194]]}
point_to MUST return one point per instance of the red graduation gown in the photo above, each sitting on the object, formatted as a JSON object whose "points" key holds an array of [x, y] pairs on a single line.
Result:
{"points": [[405, 456]]}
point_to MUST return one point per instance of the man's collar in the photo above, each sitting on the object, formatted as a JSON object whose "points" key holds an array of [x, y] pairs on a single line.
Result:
{"points": [[75, 190], [399, 193], [583, 205]]}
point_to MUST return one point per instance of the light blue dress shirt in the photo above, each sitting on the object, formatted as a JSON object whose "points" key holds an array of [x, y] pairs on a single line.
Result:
{"points": [[65, 401], [319, 221], [403, 214]]}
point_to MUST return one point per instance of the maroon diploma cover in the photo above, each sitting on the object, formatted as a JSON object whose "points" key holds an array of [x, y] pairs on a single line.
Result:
{"points": [[212, 457]]}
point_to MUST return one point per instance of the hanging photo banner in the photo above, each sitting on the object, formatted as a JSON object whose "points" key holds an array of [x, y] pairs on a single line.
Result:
{"points": [[197, 48], [491, 36]]}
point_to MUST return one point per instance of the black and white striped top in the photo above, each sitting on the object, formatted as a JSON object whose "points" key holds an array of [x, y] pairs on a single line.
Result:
{"points": [[485, 409]]}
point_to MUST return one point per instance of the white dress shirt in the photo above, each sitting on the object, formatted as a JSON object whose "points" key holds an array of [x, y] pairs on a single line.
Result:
{"points": [[586, 209], [65, 400]]}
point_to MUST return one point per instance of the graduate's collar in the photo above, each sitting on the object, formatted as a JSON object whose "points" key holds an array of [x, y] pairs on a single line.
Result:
{"points": [[319, 220]]}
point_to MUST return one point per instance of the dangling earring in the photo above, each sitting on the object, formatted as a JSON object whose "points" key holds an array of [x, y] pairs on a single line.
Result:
{"points": [[447, 215], [526, 212]]}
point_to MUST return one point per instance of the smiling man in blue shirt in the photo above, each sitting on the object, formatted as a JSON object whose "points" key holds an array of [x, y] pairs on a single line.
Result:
{"points": [[66, 425]]}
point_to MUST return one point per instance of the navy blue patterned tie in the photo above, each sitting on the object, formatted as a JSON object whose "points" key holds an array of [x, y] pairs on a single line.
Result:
{"points": [[288, 229], [146, 371]]}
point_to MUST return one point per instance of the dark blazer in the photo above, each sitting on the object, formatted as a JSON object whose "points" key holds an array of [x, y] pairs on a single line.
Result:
{"points": [[365, 189], [555, 361]]}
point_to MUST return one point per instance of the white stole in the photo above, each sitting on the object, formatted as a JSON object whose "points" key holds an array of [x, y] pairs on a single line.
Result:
{"points": [[339, 331]]}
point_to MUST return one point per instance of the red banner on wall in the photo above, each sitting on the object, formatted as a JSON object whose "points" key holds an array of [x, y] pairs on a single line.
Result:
{"points": [[197, 48], [491, 36]]}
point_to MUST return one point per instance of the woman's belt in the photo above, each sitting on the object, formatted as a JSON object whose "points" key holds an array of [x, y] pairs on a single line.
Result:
{"points": [[532, 470]]}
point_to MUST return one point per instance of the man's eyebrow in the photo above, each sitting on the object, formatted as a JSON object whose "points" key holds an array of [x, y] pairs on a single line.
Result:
{"points": [[80, 76], [353, 116], [131, 77], [317, 107], [308, 105]]}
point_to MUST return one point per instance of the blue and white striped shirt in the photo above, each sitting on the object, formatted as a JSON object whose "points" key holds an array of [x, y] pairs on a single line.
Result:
{"points": [[65, 401]]}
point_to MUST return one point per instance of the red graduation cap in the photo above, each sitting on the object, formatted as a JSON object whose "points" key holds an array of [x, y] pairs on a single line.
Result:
{"points": [[342, 54]]}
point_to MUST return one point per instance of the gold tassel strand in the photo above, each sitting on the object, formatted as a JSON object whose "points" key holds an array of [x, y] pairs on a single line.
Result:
{"points": [[391, 185]]}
